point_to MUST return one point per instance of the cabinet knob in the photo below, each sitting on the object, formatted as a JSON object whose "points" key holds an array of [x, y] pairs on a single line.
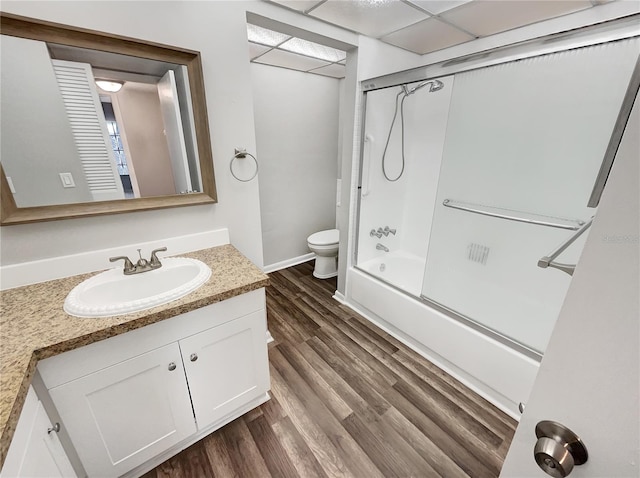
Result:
{"points": [[172, 366], [54, 428], [193, 357]]}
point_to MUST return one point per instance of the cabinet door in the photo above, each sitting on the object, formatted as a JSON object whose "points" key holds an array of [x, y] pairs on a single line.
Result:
{"points": [[35, 452], [126, 414], [227, 367]]}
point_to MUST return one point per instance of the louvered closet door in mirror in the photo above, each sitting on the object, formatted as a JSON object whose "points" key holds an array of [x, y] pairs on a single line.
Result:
{"points": [[89, 128]]}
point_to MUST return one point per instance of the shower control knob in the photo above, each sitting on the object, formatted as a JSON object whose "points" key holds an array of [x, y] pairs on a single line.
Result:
{"points": [[558, 449]]}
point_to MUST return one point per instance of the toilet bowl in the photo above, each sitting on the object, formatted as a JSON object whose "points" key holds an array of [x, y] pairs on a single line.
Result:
{"points": [[325, 246]]}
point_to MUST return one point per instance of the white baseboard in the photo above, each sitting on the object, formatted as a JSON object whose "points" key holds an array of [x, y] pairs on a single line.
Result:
{"points": [[288, 263], [16, 275], [339, 296]]}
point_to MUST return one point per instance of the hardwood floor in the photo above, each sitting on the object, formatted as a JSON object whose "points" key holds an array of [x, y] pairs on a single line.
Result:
{"points": [[348, 400]]}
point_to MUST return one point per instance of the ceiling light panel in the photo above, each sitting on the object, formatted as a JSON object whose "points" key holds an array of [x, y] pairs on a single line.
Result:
{"points": [[374, 18], [438, 6], [256, 50], [300, 5], [315, 50], [290, 60], [427, 36], [486, 17], [335, 71], [263, 36]]}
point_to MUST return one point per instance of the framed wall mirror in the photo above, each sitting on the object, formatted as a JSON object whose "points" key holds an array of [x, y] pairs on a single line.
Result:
{"points": [[95, 123]]}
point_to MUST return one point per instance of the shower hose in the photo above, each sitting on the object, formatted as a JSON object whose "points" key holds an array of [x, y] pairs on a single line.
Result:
{"points": [[404, 95]]}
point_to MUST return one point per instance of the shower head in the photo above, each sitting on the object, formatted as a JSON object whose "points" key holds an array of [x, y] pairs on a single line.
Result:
{"points": [[435, 86]]}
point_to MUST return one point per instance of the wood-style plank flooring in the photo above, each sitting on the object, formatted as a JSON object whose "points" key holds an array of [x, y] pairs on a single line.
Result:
{"points": [[348, 400]]}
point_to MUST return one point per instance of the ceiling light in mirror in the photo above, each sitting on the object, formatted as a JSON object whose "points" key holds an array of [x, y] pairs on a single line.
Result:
{"points": [[314, 50], [110, 86], [263, 36]]}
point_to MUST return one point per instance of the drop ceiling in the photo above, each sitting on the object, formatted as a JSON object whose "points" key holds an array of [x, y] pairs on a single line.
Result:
{"points": [[419, 26]]}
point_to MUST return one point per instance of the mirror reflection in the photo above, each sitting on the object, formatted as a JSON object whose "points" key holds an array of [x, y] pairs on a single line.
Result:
{"points": [[81, 125]]}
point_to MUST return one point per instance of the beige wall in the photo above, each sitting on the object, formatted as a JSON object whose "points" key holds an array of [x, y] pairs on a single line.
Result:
{"points": [[140, 120]]}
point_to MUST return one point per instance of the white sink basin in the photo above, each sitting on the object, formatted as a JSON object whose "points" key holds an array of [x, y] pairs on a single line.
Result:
{"points": [[113, 293]]}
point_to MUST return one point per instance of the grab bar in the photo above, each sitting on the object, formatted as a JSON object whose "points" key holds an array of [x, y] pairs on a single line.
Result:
{"points": [[548, 261], [366, 164], [518, 216]]}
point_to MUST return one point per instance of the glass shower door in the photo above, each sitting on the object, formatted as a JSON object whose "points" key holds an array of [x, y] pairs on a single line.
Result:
{"points": [[523, 146]]}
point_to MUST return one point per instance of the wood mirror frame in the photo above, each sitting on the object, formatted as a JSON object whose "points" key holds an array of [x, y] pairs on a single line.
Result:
{"points": [[29, 28]]}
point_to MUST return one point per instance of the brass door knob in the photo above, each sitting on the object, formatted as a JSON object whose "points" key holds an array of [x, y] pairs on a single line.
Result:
{"points": [[558, 449]]}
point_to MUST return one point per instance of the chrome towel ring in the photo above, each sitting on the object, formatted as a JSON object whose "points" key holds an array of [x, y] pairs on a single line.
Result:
{"points": [[241, 154]]}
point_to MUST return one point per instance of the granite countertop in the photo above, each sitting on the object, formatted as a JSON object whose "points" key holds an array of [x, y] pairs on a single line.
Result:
{"points": [[33, 325]]}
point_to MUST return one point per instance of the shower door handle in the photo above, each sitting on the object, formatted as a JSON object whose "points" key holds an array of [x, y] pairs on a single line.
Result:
{"points": [[548, 261]]}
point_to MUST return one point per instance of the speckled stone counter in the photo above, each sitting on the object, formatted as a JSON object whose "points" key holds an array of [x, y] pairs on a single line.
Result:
{"points": [[33, 325]]}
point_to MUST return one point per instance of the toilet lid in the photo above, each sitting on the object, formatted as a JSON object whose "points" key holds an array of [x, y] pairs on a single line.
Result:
{"points": [[324, 238]]}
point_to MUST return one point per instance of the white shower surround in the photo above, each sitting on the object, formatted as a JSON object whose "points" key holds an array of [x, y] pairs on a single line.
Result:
{"points": [[502, 374]]}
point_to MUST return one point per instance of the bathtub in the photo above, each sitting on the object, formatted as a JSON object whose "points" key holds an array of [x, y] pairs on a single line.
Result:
{"points": [[495, 371], [399, 269]]}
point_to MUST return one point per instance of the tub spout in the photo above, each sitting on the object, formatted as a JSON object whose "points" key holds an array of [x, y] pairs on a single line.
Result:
{"points": [[382, 247]]}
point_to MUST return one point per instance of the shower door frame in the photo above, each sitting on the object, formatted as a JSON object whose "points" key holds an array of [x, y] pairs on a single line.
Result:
{"points": [[608, 32]]}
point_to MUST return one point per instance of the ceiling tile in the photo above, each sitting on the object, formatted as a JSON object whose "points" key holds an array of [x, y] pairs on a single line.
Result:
{"points": [[335, 70], [427, 36], [373, 18], [438, 6], [315, 50], [486, 17], [257, 50], [265, 37], [300, 5], [290, 60]]}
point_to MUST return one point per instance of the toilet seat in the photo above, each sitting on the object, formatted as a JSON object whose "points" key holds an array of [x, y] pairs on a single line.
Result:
{"points": [[324, 238]]}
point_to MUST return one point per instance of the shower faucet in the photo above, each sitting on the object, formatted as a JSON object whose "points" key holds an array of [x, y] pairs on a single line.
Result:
{"points": [[377, 233], [386, 231], [382, 247]]}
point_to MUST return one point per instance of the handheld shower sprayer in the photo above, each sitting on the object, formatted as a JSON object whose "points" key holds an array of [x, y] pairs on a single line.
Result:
{"points": [[436, 85]]}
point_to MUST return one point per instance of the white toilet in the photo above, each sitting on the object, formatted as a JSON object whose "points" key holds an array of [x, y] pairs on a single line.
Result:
{"points": [[325, 246]]}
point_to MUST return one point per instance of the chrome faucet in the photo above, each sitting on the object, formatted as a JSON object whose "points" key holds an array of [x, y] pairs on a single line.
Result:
{"points": [[386, 231], [382, 247], [377, 233], [142, 265]]}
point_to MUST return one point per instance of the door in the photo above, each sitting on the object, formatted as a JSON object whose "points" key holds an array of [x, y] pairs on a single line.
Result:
{"points": [[589, 377], [126, 414], [89, 127], [168, 93], [233, 354], [36, 450]]}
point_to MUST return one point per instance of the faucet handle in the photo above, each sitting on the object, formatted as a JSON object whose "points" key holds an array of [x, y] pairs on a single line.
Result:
{"points": [[129, 268], [388, 230], [154, 261]]}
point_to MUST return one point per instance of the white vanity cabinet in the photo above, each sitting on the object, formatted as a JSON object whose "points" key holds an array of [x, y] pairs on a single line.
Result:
{"points": [[35, 451], [128, 402], [124, 415], [226, 367]]}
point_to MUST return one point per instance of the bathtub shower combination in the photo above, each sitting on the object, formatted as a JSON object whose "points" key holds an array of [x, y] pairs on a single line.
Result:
{"points": [[471, 177]]}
